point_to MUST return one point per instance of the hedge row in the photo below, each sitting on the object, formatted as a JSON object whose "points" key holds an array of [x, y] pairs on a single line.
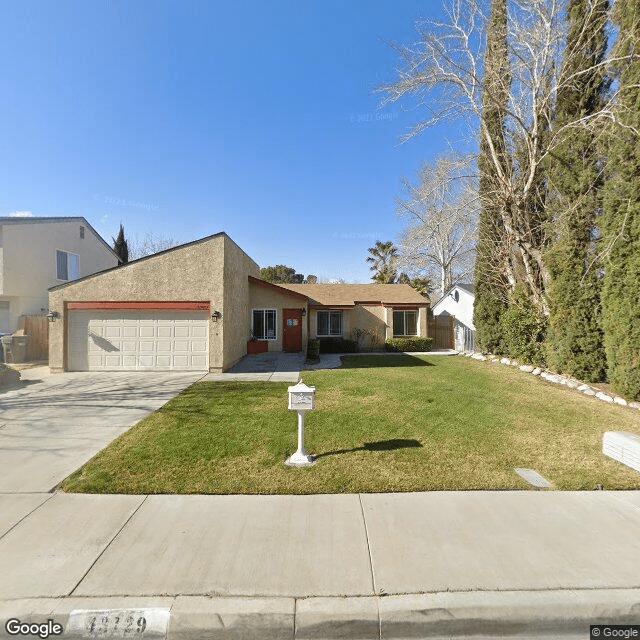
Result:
{"points": [[409, 344]]}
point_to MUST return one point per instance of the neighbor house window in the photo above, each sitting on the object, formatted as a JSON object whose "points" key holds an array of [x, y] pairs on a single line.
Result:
{"points": [[264, 324], [405, 323], [81, 232], [329, 323], [68, 265]]}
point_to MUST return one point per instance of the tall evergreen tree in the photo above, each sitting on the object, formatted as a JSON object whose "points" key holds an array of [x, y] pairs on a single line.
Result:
{"points": [[621, 216], [120, 246], [492, 252], [575, 340]]}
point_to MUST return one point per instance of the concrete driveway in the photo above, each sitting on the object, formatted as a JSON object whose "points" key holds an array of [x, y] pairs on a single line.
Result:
{"points": [[52, 424]]}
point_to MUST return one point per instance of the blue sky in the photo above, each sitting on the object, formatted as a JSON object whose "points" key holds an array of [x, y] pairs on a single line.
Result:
{"points": [[257, 118]]}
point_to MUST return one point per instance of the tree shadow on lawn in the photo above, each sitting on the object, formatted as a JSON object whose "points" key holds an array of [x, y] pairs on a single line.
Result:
{"points": [[370, 361], [382, 445]]}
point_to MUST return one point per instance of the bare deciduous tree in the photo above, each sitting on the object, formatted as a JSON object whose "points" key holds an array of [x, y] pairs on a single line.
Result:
{"points": [[441, 210], [443, 74], [150, 243]]}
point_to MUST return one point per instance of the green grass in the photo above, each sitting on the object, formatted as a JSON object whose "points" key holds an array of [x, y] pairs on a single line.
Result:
{"points": [[382, 423]]}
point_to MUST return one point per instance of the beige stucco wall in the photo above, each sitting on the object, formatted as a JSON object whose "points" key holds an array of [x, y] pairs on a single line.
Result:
{"points": [[238, 266], [190, 273], [373, 319], [376, 320], [422, 322], [266, 298], [28, 265]]}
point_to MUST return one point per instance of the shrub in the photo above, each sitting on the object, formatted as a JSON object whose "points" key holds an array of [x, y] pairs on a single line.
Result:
{"points": [[337, 345], [524, 331], [367, 339], [313, 349], [409, 344]]}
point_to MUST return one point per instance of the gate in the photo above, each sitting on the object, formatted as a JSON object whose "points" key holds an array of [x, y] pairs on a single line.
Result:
{"points": [[441, 329], [37, 328]]}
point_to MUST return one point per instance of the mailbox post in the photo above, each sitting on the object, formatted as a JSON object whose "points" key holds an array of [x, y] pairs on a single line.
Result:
{"points": [[302, 398]]}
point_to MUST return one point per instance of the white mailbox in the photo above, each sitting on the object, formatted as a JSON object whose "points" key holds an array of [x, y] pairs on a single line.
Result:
{"points": [[302, 397]]}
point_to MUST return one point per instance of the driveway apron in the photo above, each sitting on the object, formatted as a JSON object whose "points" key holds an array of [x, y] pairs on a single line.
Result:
{"points": [[52, 424]]}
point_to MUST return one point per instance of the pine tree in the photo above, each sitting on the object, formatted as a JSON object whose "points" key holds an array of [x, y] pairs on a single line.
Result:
{"points": [[492, 254], [620, 222], [575, 340], [120, 247]]}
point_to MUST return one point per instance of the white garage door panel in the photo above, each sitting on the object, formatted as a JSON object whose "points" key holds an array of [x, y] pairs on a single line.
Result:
{"points": [[138, 340]]}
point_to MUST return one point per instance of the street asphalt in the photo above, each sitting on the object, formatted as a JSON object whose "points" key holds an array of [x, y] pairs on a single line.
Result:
{"points": [[521, 564]]}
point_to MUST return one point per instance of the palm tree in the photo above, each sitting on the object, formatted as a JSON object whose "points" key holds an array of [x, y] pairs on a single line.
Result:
{"points": [[383, 258]]}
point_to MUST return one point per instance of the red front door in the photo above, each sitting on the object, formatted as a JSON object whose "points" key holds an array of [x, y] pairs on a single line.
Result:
{"points": [[292, 329]]}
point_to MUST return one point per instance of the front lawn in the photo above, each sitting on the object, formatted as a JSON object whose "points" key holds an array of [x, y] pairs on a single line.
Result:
{"points": [[382, 423]]}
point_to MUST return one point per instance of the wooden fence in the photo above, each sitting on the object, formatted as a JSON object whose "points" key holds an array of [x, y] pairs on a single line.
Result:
{"points": [[37, 328], [441, 328]]}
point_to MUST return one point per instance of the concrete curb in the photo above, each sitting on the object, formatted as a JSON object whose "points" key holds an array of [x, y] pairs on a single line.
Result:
{"points": [[534, 614]]}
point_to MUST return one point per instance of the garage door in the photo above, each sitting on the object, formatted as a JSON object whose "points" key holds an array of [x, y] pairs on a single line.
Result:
{"points": [[138, 340]]}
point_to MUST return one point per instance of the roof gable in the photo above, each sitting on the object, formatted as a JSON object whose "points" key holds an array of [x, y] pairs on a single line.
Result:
{"points": [[18, 220], [467, 289], [149, 257], [276, 287]]}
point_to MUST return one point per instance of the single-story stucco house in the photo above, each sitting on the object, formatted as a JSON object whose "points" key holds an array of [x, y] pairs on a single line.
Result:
{"points": [[201, 305], [458, 302]]}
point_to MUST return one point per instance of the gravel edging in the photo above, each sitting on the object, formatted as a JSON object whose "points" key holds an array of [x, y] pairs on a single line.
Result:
{"points": [[554, 378]]}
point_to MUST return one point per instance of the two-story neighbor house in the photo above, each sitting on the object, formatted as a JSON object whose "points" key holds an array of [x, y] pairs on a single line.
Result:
{"points": [[39, 253]]}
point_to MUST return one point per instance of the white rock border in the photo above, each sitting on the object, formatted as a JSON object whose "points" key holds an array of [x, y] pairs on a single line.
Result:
{"points": [[555, 378]]}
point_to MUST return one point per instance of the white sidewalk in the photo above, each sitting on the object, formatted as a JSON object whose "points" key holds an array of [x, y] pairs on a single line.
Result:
{"points": [[418, 564]]}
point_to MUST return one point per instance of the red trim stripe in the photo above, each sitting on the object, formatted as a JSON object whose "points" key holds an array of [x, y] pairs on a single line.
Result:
{"points": [[136, 305]]}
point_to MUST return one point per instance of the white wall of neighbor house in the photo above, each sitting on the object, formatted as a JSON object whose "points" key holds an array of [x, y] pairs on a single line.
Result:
{"points": [[29, 267], [462, 309]]}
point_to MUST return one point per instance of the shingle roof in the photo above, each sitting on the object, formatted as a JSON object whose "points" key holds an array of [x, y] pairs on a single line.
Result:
{"points": [[471, 288], [329, 295]]}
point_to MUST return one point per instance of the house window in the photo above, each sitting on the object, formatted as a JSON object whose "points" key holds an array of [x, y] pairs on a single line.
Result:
{"points": [[405, 323], [68, 265], [264, 324], [329, 323], [81, 232]]}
